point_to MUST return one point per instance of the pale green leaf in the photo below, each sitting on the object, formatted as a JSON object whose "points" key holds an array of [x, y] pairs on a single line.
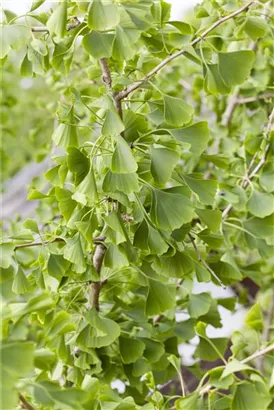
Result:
{"points": [[113, 124], [98, 45], [125, 183], [235, 66], [177, 112], [199, 304], [58, 20], [102, 16], [123, 161], [6, 253], [20, 283], [160, 298], [149, 239], [247, 397], [170, 210], [204, 188], [254, 318], [130, 349], [260, 204], [255, 27], [197, 135], [211, 218], [163, 161]]}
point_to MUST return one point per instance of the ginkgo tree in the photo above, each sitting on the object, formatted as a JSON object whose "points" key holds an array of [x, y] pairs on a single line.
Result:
{"points": [[161, 138]]}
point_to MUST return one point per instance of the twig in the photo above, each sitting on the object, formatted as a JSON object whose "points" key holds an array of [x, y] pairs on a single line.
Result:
{"points": [[255, 355], [24, 403], [106, 76], [30, 245], [123, 94], [206, 265], [258, 97], [255, 171], [70, 26], [231, 105], [266, 331]]}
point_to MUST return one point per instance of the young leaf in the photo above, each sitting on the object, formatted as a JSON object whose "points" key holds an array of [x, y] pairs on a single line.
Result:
{"points": [[26, 67], [6, 253], [20, 283], [149, 239], [177, 112], [247, 397], [160, 297], [199, 304], [97, 44], [255, 27], [235, 66], [36, 4], [163, 161], [113, 125], [115, 258], [130, 349], [197, 135], [214, 82], [65, 135], [123, 162], [125, 183], [204, 188], [254, 318], [261, 204], [58, 20], [102, 16], [170, 210], [88, 189], [211, 218], [123, 47]]}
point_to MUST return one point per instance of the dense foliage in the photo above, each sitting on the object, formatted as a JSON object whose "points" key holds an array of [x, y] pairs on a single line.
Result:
{"points": [[162, 176]]}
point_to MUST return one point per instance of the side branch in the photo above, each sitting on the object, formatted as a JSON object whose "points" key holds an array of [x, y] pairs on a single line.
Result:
{"points": [[24, 403], [252, 173], [123, 94], [259, 353]]}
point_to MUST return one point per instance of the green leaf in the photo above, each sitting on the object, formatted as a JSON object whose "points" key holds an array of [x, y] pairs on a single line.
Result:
{"points": [[187, 403], [36, 4], [39, 46], [235, 66], [254, 318], [65, 203], [255, 27], [163, 161], [98, 45], [199, 304], [149, 239], [234, 366], [204, 188], [56, 24], [125, 183], [78, 164], [113, 124], [214, 82], [176, 266], [26, 67], [202, 274], [61, 323], [123, 47], [13, 37], [261, 204], [31, 224], [65, 135], [154, 350], [17, 361], [134, 124], [123, 162], [102, 16], [160, 297], [87, 189], [206, 351], [57, 266], [170, 210], [177, 112], [115, 258], [115, 223], [197, 135], [247, 397], [221, 161], [6, 253], [20, 283], [130, 349], [100, 332], [260, 227], [211, 218], [73, 252]]}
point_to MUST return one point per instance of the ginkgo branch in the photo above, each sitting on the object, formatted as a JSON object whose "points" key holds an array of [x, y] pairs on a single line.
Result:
{"points": [[24, 403], [252, 173], [123, 94], [258, 353], [202, 260]]}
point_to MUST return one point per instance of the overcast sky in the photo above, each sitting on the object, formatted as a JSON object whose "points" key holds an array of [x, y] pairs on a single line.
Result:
{"points": [[21, 6]]}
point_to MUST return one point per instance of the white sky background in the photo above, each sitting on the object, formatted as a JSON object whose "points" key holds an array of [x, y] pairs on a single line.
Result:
{"points": [[178, 6]]}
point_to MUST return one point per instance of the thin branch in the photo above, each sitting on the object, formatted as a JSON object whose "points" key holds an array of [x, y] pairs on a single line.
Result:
{"points": [[267, 326], [106, 76], [259, 353], [251, 174], [30, 245], [123, 94], [24, 403], [206, 265], [70, 26], [246, 100]]}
